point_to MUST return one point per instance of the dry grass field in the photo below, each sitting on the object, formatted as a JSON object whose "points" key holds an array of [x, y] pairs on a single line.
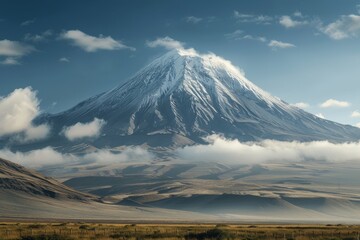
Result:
{"points": [[85, 231]]}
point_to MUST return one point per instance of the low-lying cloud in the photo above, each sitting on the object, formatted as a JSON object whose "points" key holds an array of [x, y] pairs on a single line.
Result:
{"points": [[84, 130], [18, 110], [45, 157], [234, 151], [219, 150]]}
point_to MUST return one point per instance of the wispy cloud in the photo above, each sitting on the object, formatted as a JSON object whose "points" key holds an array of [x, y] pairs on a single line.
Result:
{"points": [[10, 61], [193, 19], [334, 103], [18, 110], [166, 42], [84, 130], [345, 27], [64, 59], [38, 37], [298, 14], [301, 105], [13, 51], [91, 43], [355, 114], [274, 44], [27, 22], [251, 18], [288, 22], [240, 35]]}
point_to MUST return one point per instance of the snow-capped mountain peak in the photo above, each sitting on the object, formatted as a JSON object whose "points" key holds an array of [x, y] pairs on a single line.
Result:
{"points": [[193, 95]]}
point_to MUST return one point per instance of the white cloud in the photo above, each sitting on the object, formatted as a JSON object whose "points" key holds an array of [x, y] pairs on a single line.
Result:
{"points": [[298, 14], [37, 158], [288, 22], [233, 151], [301, 105], [193, 19], [355, 114], [14, 49], [27, 22], [10, 61], [34, 133], [17, 111], [38, 37], [166, 42], [239, 35], [49, 157], [64, 59], [274, 44], [235, 35], [358, 125], [250, 18], [320, 115], [84, 130], [256, 38], [92, 44], [218, 149], [334, 103], [345, 27]]}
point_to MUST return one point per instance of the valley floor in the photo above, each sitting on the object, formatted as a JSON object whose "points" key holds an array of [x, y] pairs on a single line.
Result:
{"points": [[105, 231]]}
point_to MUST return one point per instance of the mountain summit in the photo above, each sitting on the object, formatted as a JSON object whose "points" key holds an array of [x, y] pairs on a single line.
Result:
{"points": [[183, 96]]}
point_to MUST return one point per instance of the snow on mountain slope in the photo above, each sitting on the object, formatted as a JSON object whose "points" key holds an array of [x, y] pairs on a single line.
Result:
{"points": [[187, 95]]}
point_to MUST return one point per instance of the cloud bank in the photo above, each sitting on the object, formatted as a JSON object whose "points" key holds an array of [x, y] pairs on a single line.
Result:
{"points": [[92, 44], [18, 110], [46, 157], [233, 151], [84, 130], [219, 149]]}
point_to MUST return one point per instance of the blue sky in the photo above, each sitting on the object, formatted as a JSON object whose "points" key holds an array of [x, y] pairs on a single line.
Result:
{"points": [[301, 51]]}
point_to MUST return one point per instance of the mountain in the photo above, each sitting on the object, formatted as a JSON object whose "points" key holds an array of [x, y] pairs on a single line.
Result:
{"points": [[183, 96]]}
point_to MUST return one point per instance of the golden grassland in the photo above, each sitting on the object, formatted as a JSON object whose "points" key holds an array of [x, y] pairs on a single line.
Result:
{"points": [[106, 231]]}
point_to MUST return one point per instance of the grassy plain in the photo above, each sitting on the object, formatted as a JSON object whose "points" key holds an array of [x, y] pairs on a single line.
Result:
{"points": [[107, 231]]}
